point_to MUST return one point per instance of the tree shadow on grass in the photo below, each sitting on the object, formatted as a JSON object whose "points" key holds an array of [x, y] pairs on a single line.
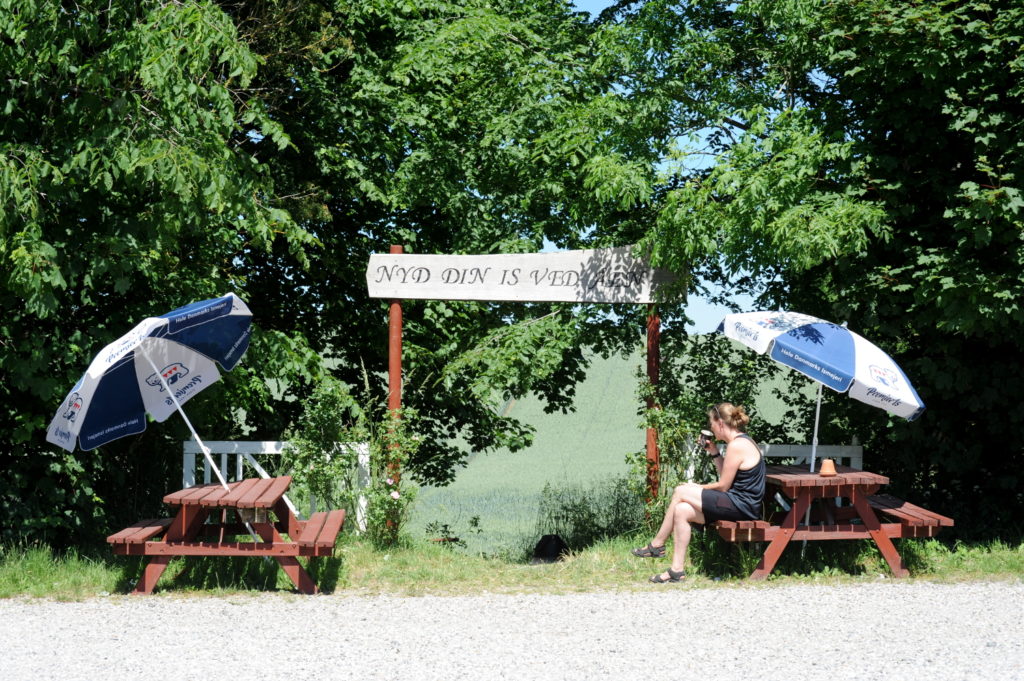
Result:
{"points": [[326, 572], [128, 570], [717, 558], [205, 573]]}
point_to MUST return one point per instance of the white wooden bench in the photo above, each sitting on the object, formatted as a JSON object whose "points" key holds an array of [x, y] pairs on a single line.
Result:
{"points": [[245, 451], [846, 455]]}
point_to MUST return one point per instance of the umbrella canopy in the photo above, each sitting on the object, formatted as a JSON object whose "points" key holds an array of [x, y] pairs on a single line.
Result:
{"points": [[830, 354], [155, 368]]}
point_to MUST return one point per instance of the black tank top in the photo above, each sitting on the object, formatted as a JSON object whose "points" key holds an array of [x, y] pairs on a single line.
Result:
{"points": [[747, 489]]}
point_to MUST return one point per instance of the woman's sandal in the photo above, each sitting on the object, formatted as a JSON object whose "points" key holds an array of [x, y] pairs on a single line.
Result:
{"points": [[673, 576], [650, 551]]}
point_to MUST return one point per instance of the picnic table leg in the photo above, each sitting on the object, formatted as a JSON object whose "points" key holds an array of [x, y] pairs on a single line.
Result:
{"points": [[300, 578], [186, 526], [885, 545], [151, 574], [291, 566], [292, 526], [778, 544]]}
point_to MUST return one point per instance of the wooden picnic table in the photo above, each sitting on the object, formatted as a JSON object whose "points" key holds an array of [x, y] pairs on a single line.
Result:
{"points": [[857, 520], [252, 505]]}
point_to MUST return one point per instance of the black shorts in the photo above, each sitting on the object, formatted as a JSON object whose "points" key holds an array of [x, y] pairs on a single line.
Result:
{"points": [[717, 505]]}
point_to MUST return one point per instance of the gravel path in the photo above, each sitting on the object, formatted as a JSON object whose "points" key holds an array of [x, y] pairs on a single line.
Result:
{"points": [[886, 630]]}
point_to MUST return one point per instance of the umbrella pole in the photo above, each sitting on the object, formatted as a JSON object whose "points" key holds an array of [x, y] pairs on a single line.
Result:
{"points": [[817, 417], [203, 447], [814, 453]]}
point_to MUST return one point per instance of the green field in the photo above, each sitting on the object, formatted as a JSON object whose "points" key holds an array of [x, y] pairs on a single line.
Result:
{"points": [[579, 449]]}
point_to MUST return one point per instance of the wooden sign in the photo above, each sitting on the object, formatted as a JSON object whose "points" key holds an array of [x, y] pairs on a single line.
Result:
{"points": [[609, 275]]}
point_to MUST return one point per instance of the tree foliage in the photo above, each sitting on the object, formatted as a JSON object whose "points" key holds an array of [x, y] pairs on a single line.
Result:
{"points": [[159, 152], [124, 192], [469, 127], [930, 95], [855, 160], [886, 137]]}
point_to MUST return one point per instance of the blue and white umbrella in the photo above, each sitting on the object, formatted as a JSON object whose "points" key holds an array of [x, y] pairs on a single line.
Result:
{"points": [[830, 354], [155, 368]]}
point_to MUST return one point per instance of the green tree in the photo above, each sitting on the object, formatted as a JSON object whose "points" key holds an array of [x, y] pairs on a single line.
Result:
{"points": [[155, 152], [159, 152], [930, 94], [469, 127], [864, 166], [491, 126], [124, 192], [741, 183]]}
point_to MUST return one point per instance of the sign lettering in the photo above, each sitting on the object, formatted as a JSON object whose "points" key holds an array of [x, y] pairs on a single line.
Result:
{"points": [[611, 275]]}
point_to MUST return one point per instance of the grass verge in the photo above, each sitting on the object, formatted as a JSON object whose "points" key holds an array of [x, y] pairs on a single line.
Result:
{"points": [[428, 569]]}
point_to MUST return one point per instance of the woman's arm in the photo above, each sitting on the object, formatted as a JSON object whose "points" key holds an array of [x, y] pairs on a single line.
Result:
{"points": [[712, 449], [727, 465]]}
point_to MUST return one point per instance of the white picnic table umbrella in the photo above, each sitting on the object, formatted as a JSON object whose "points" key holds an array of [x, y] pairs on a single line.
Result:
{"points": [[153, 369], [830, 354]]}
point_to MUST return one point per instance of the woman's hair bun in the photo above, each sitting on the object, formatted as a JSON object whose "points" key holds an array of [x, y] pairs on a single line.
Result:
{"points": [[734, 416]]}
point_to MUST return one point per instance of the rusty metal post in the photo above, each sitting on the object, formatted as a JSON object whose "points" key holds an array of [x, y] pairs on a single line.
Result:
{"points": [[395, 350], [653, 367], [395, 360]]}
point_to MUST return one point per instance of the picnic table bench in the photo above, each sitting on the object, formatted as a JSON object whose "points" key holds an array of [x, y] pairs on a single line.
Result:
{"points": [[253, 505], [858, 520]]}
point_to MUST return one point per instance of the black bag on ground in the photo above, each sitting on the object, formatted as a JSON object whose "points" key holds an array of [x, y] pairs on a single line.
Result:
{"points": [[550, 548]]}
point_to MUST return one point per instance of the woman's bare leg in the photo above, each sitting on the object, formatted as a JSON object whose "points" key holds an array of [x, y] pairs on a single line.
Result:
{"points": [[686, 511], [668, 523], [681, 535], [690, 492]]}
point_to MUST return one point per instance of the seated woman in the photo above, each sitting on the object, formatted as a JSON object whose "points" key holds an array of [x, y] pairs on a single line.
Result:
{"points": [[736, 496]]}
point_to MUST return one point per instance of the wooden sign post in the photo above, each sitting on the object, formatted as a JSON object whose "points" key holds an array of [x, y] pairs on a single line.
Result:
{"points": [[395, 361], [607, 275], [653, 369]]}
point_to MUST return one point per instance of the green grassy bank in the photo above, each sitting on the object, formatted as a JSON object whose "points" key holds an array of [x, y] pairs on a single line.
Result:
{"points": [[424, 568]]}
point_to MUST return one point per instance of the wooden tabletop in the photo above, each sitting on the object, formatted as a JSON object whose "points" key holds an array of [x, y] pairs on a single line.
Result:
{"points": [[248, 493], [799, 475]]}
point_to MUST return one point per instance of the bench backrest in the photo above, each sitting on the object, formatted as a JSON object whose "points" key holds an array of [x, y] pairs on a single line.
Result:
{"points": [[245, 452], [846, 455]]}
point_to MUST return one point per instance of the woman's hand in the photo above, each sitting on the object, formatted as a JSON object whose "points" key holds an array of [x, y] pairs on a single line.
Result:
{"points": [[708, 442]]}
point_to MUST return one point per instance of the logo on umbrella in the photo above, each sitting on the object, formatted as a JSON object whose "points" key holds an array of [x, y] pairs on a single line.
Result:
{"points": [[781, 322], [744, 331], [170, 373], [886, 377], [74, 406]]}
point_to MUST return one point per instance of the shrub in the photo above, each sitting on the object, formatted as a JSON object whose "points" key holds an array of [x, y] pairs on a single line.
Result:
{"points": [[582, 517], [322, 456]]}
